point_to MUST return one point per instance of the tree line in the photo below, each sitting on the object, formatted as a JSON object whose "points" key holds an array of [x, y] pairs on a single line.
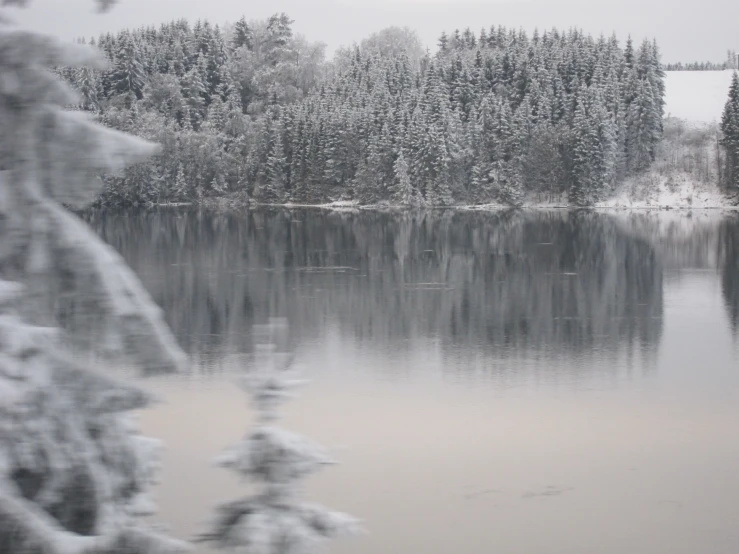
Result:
{"points": [[731, 62], [254, 111], [730, 137]]}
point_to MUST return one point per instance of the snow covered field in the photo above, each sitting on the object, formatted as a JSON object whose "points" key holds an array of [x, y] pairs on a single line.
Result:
{"points": [[697, 96]]}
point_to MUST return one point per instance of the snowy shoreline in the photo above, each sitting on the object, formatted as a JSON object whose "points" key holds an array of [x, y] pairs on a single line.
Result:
{"points": [[705, 201]]}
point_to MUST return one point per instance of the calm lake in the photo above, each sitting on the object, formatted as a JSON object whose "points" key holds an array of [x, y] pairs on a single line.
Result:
{"points": [[516, 383]]}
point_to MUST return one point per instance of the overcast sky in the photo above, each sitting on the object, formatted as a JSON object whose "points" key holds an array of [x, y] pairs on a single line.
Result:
{"points": [[686, 29]]}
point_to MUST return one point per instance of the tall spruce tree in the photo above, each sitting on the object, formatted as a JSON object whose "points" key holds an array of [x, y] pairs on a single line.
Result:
{"points": [[643, 124], [128, 73], [730, 135], [242, 35], [593, 150]]}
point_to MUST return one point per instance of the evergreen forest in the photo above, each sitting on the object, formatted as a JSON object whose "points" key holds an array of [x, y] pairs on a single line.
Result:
{"points": [[255, 112]]}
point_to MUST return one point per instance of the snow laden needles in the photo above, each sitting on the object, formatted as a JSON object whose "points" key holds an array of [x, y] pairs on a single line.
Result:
{"points": [[75, 474]]}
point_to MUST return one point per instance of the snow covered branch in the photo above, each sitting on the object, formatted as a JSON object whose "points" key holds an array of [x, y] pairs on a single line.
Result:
{"points": [[42, 530], [115, 290], [74, 472], [78, 150]]}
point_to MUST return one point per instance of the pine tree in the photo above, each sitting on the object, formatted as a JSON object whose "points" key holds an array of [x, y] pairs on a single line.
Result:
{"points": [[443, 42], [217, 115], [368, 180], [643, 126], [430, 162], [75, 472], [582, 152], [274, 520], [242, 35], [203, 78], [658, 83], [276, 166], [180, 184], [178, 65], [730, 135], [279, 33], [128, 74], [404, 194], [593, 150], [480, 182], [88, 86], [194, 91]]}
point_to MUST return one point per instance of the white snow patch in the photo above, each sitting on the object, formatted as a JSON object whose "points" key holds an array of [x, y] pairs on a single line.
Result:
{"points": [[336, 205], [696, 96], [492, 206], [341, 204], [677, 191]]}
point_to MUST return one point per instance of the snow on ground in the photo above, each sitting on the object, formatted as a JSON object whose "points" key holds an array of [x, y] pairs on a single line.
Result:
{"points": [[685, 174], [677, 191], [696, 96]]}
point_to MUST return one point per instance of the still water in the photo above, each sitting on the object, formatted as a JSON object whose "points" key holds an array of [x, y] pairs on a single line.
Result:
{"points": [[538, 383]]}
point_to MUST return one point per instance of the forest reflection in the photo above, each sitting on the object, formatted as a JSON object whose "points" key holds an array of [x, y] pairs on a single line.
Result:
{"points": [[560, 284], [729, 240]]}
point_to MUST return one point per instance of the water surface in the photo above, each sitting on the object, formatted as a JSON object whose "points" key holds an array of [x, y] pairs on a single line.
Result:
{"points": [[536, 382]]}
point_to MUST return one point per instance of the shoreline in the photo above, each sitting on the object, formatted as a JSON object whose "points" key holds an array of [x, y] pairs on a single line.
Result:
{"points": [[226, 205]]}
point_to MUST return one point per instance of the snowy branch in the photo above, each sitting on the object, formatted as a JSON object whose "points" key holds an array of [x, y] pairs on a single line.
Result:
{"points": [[118, 292], [275, 455], [25, 48], [77, 150], [42, 530]]}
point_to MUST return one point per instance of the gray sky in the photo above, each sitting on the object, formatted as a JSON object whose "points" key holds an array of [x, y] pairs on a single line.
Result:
{"points": [[686, 29]]}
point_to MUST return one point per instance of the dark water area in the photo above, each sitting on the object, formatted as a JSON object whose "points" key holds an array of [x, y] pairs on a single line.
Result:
{"points": [[535, 382]]}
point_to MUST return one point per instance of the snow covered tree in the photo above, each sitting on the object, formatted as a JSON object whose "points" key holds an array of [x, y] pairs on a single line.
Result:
{"points": [[216, 115], [279, 33], [273, 189], [593, 149], [443, 42], [128, 74], [242, 35], [74, 472], [405, 194], [274, 520], [194, 92], [643, 127], [505, 170], [88, 86], [179, 189], [730, 134]]}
